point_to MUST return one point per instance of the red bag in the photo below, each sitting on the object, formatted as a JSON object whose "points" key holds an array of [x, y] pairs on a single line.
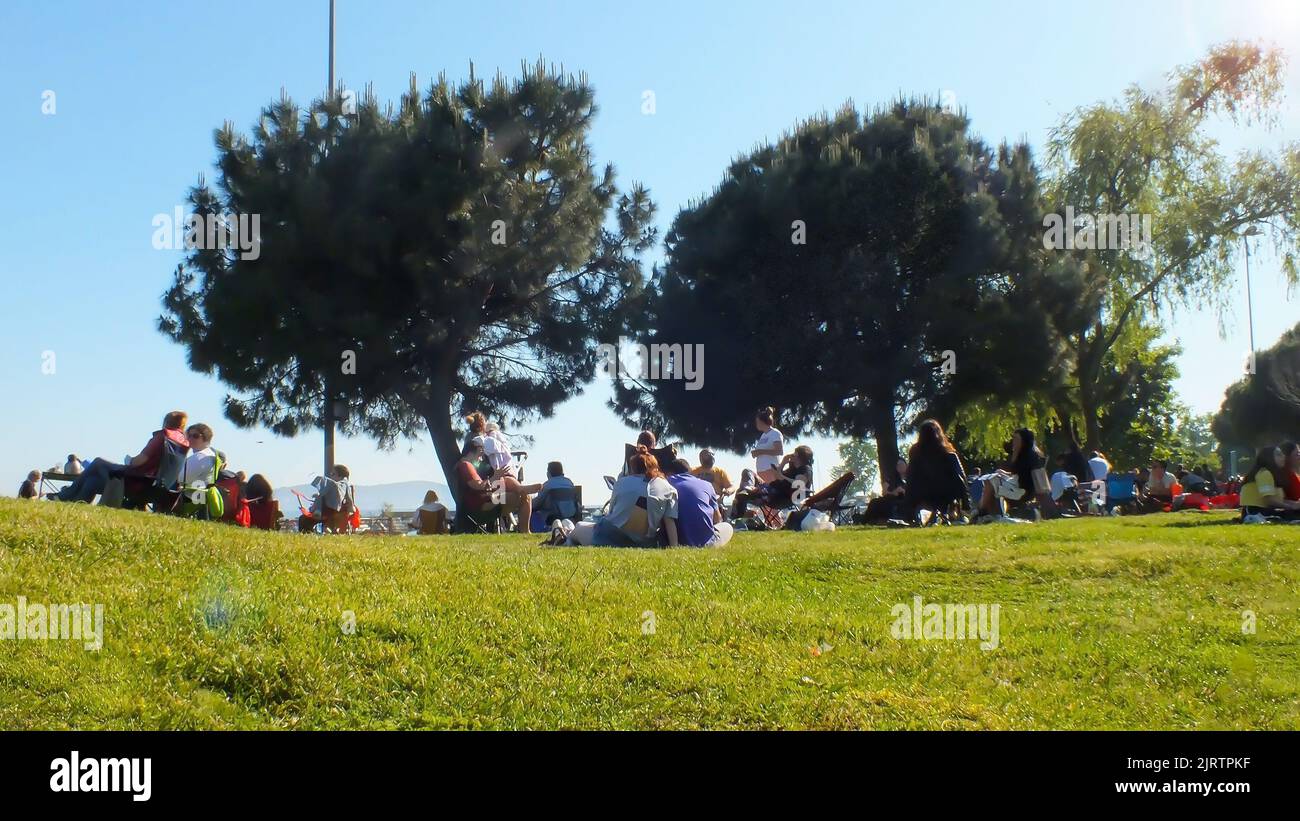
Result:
{"points": [[355, 518], [1226, 501]]}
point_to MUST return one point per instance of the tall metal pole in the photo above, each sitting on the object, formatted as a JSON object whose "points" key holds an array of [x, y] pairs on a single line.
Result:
{"points": [[329, 382], [1250, 313]]}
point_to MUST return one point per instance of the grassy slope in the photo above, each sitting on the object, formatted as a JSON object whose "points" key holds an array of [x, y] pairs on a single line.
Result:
{"points": [[1105, 623]]}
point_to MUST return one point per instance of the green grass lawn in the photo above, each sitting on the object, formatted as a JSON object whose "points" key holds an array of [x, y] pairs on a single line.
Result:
{"points": [[1104, 623]]}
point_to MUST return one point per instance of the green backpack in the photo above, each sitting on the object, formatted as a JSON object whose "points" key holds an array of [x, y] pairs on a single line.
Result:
{"points": [[213, 501]]}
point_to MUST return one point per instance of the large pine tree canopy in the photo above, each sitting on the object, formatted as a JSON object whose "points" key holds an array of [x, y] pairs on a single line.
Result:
{"points": [[920, 240], [463, 246]]}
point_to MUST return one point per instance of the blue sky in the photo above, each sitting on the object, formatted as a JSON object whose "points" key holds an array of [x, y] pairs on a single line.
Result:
{"points": [[139, 88]]}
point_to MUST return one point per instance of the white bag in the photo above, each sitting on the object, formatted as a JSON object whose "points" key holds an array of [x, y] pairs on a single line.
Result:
{"points": [[817, 520]]}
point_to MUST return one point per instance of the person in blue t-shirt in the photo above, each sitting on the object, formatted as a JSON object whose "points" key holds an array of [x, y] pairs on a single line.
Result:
{"points": [[699, 517], [558, 498]]}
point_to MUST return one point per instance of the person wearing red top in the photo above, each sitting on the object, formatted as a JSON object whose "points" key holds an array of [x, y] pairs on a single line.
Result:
{"points": [[143, 465], [473, 492], [1289, 481]]}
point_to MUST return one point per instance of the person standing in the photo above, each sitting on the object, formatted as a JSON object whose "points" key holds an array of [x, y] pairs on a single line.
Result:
{"points": [[767, 451]]}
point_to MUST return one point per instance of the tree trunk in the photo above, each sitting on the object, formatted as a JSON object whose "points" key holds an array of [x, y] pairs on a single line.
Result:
{"points": [[1088, 409], [1088, 355], [886, 431], [437, 418]]}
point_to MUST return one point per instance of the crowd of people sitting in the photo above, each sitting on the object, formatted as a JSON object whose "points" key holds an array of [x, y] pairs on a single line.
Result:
{"points": [[660, 499], [931, 484], [178, 472]]}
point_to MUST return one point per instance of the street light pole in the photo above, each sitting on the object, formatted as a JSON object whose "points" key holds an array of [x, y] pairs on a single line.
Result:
{"points": [[328, 402], [1250, 311]]}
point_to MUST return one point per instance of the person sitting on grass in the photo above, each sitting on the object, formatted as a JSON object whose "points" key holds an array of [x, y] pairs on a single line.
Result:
{"points": [[31, 486], [1261, 495], [474, 494], [557, 498], [94, 478], [1289, 481], [73, 466], [1158, 489], [201, 464], [1065, 485], [1015, 483], [699, 513], [1194, 481], [642, 502], [936, 480], [263, 511]]}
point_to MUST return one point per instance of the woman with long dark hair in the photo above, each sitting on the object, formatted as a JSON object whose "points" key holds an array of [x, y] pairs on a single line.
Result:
{"points": [[936, 480], [1015, 483], [1261, 492], [1289, 481]]}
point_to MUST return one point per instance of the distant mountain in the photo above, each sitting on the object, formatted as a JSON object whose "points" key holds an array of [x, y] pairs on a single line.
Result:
{"points": [[403, 496]]}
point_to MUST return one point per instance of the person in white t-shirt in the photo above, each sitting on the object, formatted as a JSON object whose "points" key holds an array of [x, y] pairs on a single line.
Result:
{"points": [[1099, 466], [769, 448], [201, 462]]}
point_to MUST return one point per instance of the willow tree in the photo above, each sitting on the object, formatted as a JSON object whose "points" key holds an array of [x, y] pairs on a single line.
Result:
{"points": [[1150, 156], [459, 250]]}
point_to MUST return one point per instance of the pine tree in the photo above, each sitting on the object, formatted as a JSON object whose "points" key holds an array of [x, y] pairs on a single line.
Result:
{"points": [[461, 250]]}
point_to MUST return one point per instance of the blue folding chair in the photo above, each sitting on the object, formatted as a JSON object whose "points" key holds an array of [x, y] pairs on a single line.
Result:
{"points": [[1120, 489]]}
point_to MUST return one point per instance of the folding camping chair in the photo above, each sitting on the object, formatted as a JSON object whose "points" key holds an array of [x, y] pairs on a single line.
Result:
{"points": [[330, 520], [483, 522], [776, 508], [1121, 490], [663, 455], [159, 492], [1043, 500], [829, 500], [264, 514]]}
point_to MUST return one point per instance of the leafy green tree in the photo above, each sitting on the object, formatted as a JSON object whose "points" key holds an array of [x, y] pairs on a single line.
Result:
{"points": [[861, 270], [461, 250], [1137, 405], [1263, 407], [859, 456], [1193, 443], [1150, 154]]}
